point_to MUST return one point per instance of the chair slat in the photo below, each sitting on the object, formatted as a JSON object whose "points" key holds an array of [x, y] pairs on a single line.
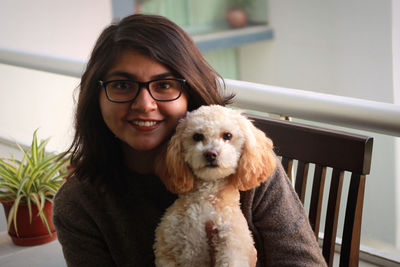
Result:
{"points": [[287, 164], [335, 190], [301, 180], [341, 151], [314, 213], [352, 225]]}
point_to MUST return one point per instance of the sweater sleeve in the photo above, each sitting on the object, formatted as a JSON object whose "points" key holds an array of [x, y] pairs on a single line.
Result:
{"points": [[280, 226], [81, 240]]}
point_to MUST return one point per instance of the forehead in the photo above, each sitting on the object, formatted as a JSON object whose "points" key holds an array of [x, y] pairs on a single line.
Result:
{"points": [[134, 64]]}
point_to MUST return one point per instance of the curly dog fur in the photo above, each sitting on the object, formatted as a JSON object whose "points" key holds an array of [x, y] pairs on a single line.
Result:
{"points": [[214, 148]]}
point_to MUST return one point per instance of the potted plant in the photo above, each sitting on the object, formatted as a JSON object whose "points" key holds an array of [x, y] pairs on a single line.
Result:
{"points": [[27, 188], [236, 14]]}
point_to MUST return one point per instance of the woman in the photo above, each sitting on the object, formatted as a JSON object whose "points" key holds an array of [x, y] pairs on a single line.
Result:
{"points": [[106, 212]]}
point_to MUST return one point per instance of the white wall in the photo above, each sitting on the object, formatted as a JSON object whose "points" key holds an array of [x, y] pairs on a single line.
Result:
{"points": [[66, 28], [32, 99], [36, 100], [340, 47], [336, 46]]}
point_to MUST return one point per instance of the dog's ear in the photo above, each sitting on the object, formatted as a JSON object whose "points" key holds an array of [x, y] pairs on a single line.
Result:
{"points": [[172, 168], [257, 161]]}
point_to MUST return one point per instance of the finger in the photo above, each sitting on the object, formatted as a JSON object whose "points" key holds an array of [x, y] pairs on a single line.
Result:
{"points": [[211, 232], [253, 258]]}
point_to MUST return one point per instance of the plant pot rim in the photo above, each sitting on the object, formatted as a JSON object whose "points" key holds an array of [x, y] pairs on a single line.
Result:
{"points": [[6, 201], [11, 200]]}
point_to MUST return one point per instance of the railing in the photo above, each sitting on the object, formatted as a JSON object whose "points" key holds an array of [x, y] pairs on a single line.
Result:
{"points": [[342, 111]]}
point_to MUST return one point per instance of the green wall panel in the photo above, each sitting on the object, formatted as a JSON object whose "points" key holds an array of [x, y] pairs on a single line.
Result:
{"points": [[224, 61]]}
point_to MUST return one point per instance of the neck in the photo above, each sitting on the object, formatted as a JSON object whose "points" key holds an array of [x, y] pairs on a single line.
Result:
{"points": [[142, 162]]}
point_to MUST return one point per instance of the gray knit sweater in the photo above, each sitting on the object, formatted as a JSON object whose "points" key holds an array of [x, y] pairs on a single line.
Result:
{"points": [[97, 229]]}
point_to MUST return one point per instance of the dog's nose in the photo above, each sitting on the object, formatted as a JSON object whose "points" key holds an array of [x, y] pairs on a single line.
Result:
{"points": [[210, 155]]}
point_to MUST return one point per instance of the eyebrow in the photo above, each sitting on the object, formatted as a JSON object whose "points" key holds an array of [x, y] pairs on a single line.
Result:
{"points": [[133, 77]]}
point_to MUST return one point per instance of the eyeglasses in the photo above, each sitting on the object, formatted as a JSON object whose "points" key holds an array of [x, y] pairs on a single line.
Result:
{"points": [[121, 91]]}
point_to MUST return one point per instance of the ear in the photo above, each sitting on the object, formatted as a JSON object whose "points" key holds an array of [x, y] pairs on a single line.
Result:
{"points": [[172, 168], [257, 161]]}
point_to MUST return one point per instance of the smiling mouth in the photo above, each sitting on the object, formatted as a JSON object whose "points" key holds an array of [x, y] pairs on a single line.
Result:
{"points": [[144, 123]]}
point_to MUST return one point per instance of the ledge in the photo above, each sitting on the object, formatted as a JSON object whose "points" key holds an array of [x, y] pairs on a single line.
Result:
{"points": [[46, 255], [229, 38]]}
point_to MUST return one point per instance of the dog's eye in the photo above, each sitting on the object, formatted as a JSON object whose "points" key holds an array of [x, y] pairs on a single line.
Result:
{"points": [[198, 137], [227, 136]]}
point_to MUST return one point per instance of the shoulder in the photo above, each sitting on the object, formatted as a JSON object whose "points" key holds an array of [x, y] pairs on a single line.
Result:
{"points": [[275, 185], [72, 189], [74, 196]]}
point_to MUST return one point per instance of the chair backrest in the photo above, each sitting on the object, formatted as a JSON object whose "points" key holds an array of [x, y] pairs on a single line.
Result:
{"points": [[324, 148]]}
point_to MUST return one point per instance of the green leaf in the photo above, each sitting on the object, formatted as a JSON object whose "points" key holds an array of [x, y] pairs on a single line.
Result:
{"points": [[45, 221], [21, 170], [12, 216], [6, 195], [33, 180], [41, 149], [46, 165], [26, 155], [54, 169], [42, 201], [34, 148], [8, 170], [29, 204]]}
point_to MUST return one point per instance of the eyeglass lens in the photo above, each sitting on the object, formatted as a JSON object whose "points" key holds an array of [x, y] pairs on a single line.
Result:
{"points": [[121, 91]]}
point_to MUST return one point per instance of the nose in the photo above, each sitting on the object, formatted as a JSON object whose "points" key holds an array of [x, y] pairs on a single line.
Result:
{"points": [[144, 101], [210, 155]]}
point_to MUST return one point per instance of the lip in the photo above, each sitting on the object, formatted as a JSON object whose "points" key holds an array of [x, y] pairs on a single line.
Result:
{"points": [[144, 125]]}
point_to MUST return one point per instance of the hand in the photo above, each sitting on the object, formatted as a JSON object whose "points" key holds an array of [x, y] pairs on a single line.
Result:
{"points": [[213, 232], [253, 258]]}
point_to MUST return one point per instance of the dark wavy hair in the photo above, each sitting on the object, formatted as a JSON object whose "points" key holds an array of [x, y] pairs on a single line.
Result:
{"points": [[95, 152]]}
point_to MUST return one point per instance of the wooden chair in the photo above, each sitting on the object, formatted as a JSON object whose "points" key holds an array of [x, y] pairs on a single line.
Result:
{"points": [[324, 149]]}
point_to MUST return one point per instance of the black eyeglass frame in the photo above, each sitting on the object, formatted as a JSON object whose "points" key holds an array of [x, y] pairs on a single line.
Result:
{"points": [[141, 85]]}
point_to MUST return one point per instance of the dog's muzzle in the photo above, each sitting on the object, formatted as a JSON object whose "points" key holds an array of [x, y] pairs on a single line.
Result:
{"points": [[211, 157]]}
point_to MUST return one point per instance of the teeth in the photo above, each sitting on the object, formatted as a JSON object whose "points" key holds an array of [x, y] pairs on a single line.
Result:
{"points": [[144, 123]]}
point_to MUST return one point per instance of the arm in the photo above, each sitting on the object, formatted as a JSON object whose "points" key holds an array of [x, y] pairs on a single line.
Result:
{"points": [[82, 242], [280, 226]]}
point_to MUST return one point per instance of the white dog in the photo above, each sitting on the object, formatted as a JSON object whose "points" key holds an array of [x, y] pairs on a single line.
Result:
{"points": [[214, 148]]}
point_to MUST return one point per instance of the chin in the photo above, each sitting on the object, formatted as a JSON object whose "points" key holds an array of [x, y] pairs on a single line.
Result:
{"points": [[213, 173], [142, 146]]}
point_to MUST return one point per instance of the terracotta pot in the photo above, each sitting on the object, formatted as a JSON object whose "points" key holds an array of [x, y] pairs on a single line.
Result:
{"points": [[31, 233], [236, 17]]}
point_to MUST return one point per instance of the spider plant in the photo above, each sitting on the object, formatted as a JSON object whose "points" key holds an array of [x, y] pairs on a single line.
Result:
{"points": [[32, 181]]}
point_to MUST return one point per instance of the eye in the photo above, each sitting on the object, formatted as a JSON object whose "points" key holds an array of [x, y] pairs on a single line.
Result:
{"points": [[165, 85], [227, 136], [198, 137], [120, 85]]}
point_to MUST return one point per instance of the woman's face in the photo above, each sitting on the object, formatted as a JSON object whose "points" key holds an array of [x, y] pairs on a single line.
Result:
{"points": [[144, 123]]}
